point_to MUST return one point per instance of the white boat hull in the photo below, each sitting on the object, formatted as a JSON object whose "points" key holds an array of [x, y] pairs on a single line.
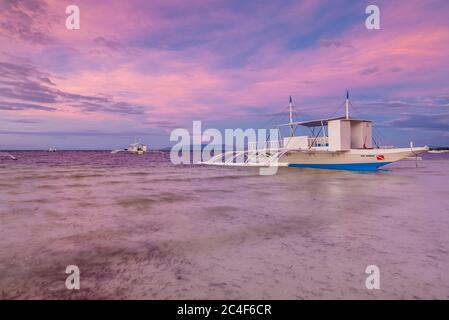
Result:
{"points": [[354, 159]]}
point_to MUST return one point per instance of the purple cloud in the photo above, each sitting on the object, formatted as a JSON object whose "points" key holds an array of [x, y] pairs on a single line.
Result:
{"points": [[29, 85]]}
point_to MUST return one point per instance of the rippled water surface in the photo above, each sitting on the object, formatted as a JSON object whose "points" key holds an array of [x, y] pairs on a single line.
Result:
{"points": [[140, 227]]}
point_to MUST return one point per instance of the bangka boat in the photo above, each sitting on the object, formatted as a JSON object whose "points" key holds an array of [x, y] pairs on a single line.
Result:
{"points": [[136, 147], [342, 143]]}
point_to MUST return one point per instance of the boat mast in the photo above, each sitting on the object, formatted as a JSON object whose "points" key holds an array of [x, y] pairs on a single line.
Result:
{"points": [[347, 105], [291, 117]]}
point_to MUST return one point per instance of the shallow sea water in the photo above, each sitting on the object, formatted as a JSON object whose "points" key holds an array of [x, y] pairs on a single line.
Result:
{"points": [[139, 227]]}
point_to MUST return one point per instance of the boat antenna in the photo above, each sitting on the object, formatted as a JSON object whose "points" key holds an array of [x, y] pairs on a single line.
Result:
{"points": [[291, 116], [347, 105]]}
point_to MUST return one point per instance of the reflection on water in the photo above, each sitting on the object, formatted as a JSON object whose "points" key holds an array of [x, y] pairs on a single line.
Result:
{"points": [[139, 227]]}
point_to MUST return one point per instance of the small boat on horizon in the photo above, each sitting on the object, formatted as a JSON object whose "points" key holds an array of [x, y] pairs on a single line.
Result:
{"points": [[136, 147], [341, 143], [52, 149]]}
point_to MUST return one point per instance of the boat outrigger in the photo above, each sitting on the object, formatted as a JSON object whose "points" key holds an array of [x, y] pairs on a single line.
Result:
{"points": [[342, 143]]}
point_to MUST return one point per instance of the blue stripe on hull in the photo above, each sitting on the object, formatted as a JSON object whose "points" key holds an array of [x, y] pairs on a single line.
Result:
{"points": [[369, 166]]}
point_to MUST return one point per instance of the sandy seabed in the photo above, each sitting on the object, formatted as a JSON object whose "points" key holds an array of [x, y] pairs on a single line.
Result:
{"points": [[142, 228]]}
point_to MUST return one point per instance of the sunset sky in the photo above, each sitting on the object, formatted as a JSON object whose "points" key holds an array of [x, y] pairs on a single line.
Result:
{"points": [[138, 69]]}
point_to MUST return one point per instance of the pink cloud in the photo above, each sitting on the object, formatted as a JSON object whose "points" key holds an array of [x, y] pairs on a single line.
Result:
{"points": [[183, 60]]}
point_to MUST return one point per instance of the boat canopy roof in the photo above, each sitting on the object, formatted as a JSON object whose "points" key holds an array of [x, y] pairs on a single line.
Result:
{"points": [[319, 122]]}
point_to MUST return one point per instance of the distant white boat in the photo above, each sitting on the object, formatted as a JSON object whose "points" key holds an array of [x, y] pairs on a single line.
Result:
{"points": [[345, 143], [52, 149], [7, 156], [136, 147]]}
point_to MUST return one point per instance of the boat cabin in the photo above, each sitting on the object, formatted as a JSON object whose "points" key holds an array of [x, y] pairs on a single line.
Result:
{"points": [[336, 134], [343, 133]]}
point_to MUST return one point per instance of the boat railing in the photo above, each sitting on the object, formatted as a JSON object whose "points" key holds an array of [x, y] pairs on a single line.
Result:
{"points": [[318, 142], [312, 142], [265, 145]]}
